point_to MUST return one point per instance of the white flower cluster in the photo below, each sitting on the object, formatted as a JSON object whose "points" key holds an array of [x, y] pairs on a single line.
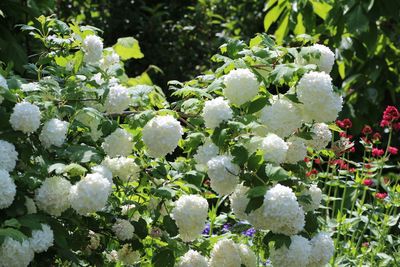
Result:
{"points": [[247, 256], [94, 240], [93, 48], [7, 190], [109, 60], [241, 85], [3, 82], [25, 117], [125, 168], [123, 229], [161, 135], [282, 212], [316, 196], [323, 248], [8, 156], [297, 255], [118, 99], [321, 103], [15, 254], [90, 194], [41, 240], [216, 111], [54, 132], [204, 153], [119, 143], [227, 253], [190, 214], [193, 258], [321, 136], [281, 118], [91, 121], [274, 149], [53, 195], [319, 55], [103, 171], [297, 150], [128, 256], [223, 174]]}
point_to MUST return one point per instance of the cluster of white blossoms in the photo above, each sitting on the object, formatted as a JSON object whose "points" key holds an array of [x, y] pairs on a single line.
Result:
{"points": [[41, 240], [118, 99], [125, 168], [320, 102], [274, 149], [94, 240], [297, 150], [216, 111], [315, 193], [282, 212], [91, 121], [90, 194], [204, 153], [241, 85], [123, 229], [227, 253], [161, 135], [193, 258], [190, 214], [103, 171], [8, 156], [53, 195], [25, 117], [109, 59], [223, 174], [3, 82], [54, 132], [93, 48], [127, 255], [321, 136], [7, 189], [322, 248], [319, 55], [15, 254], [119, 143]]}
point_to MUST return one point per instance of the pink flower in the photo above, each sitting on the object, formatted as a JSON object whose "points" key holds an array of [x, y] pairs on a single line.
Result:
{"points": [[366, 130], [381, 195], [376, 152], [391, 113], [368, 182], [312, 172], [376, 137], [347, 123], [393, 150]]}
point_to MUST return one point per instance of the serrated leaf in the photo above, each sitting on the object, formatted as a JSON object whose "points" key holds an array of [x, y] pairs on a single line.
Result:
{"points": [[170, 226], [240, 154], [128, 47], [276, 173], [163, 258]]}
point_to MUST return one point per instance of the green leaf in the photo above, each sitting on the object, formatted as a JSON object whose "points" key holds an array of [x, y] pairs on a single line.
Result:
{"points": [[140, 228], [163, 258], [257, 104], [240, 154], [293, 98], [357, 22], [12, 223], [164, 192], [335, 128], [128, 47], [255, 161], [311, 225], [75, 169], [254, 204], [276, 173], [321, 8], [12, 233], [278, 239], [170, 226], [283, 28], [272, 16], [258, 191]]}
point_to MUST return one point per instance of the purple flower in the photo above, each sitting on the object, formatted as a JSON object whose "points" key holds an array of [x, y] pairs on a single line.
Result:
{"points": [[206, 229], [226, 227], [249, 232]]}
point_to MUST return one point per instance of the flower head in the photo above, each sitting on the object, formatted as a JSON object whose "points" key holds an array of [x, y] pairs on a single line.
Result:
{"points": [[241, 85]]}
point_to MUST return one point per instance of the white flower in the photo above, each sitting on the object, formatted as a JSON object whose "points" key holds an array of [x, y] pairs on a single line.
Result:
{"points": [[127, 255], [119, 143], [322, 249], [94, 240], [297, 150], [53, 195], [241, 85], [282, 212], [123, 229], [3, 82], [190, 214], [274, 148], [223, 174], [93, 48], [104, 171], [25, 117], [92, 121], [7, 190], [161, 135], [98, 79], [118, 99], [30, 205], [125, 168], [193, 258], [281, 118], [247, 256], [90, 194], [322, 135], [316, 196], [8, 156], [225, 253], [54, 132], [216, 111], [296, 256], [41, 240], [319, 55], [111, 256], [15, 254], [204, 153]]}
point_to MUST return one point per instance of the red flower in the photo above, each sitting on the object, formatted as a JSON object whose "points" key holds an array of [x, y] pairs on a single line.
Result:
{"points": [[317, 161], [352, 149], [376, 152], [368, 182], [368, 166], [340, 123], [391, 113], [306, 159], [366, 130], [347, 123], [381, 195], [313, 171], [393, 150], [376, 137], [384, 123], [352, 170]]}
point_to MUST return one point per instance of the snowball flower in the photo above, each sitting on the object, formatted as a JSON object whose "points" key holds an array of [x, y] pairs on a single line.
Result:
{"points": [[104, 171], [319, 55], [281, 118], [225, 253], [297, 150], [25, 117], [190, 214], [282, 212], [223, 174], [316, 196], [90, 194], [247, 256], [119, 143], [93, 48], [7, 190], [8, 156], [193, 258], [53, 195], [216, 111], [161, 135], [321, 137], [297, 255], [241, 85], [54, 132], [274, 148], [92, 121], [127, 255], [15, 254], [204, 153], [123, 229], [41, 240], [125, 168], [322, 249], [109, 59], [118, 99], [3, 82]]}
